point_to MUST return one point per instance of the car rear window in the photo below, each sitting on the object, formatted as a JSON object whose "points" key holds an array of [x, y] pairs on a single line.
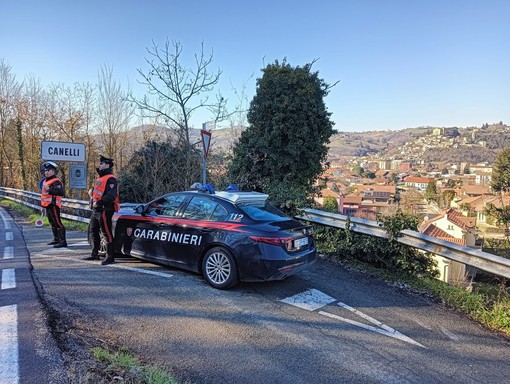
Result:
{"points": [[262, 211]]}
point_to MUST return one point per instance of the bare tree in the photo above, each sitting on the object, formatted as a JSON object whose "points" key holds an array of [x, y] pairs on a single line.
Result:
{"points": [[10, 94], [33, 125], [65, 113], [114, 116], [176, 92]]}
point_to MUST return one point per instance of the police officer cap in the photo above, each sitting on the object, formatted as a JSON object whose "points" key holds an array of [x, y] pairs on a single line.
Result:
{"points": [[49, 165], [106, 160]]}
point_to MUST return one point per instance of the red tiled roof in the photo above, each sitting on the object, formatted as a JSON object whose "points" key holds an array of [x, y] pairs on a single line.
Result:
{"points": [[438, 233], [475, 189], [352, 199], [460, 220], [329, 192], [414, 179]]}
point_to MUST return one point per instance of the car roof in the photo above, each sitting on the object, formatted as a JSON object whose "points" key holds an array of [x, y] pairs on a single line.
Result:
{"points": [[234, 197], [241, 197]]}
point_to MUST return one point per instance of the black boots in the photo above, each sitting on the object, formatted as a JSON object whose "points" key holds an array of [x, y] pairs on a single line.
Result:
{"points": [[55, 237], [93, 256], [109, 255], [109, 260], [61, 238]]}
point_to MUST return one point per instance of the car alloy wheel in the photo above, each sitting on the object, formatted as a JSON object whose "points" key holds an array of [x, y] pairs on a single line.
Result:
{"points": [[102, 243], [219, 268]]}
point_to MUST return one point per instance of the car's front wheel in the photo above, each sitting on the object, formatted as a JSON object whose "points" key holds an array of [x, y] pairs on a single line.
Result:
{"points": [[219, 268]]}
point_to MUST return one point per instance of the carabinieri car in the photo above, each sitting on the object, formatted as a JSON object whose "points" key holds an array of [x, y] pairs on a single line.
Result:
{"points": [[225, 236]]}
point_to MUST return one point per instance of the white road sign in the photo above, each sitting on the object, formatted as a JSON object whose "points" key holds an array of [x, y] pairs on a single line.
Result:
{"points": [[61, 151]]}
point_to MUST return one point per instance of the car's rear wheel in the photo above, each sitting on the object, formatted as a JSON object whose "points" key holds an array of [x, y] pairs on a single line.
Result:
{"points": [[219, 268]]}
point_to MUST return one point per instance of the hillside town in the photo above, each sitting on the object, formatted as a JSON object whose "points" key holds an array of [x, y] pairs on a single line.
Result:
{"points": [[450, 198]]}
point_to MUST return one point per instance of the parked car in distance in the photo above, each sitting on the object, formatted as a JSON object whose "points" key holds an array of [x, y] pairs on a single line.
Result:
{"points": [[226, 236]]}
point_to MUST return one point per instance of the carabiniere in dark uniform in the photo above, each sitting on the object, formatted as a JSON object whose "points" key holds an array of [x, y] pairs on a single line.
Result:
{"points": [[105, 202]]}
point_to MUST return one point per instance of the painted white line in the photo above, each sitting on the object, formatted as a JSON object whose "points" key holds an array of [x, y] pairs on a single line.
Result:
{"points": [[80, 244], [9, 365], [6, 219], [396, 335], [8, 279], [310, 300], [314, 299], [9, 236], [140, 270], [451, 335], [366, 317], [120, 266], [8, 252]]}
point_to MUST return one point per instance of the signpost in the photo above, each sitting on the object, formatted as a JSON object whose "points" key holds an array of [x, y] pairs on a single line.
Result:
{"points": [[206, 142]]}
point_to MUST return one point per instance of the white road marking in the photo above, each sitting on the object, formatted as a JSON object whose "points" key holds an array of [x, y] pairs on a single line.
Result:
{"points": [[366, 317], [9, 345], [451, 335], [140, 270], [80, 244], [5, 219], [115, 265], [8, 252], [8, 279], [313, 299], [9, 236], [310, 300], [394, 334]]}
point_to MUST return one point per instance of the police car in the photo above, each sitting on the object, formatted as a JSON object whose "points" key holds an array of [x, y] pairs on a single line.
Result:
{"points": [[226, 236]]}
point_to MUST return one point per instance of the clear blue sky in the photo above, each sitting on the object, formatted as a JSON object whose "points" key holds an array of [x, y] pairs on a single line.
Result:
{"points": [[400, 63]]}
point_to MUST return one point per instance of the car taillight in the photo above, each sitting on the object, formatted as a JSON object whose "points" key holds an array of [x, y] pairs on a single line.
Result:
{"points": [[287, 242], [272, 240]]}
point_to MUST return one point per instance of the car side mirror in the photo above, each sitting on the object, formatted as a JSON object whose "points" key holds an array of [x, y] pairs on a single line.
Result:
{"points": [[139, 209]]}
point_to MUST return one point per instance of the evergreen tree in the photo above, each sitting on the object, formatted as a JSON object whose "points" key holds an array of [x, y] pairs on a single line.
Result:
{"points": [[501, 183], [431, 191], [501, 172], [283, 150]]}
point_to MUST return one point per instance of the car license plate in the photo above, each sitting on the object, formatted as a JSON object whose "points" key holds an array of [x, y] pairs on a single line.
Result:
{"points": [[299, 243]]}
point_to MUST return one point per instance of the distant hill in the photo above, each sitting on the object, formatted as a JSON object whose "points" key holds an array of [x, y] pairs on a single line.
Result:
{"points": [[476, 144]]}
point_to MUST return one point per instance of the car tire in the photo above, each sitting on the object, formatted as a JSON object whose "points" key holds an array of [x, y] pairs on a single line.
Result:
{"points": [[219, 268], [102, 243]]}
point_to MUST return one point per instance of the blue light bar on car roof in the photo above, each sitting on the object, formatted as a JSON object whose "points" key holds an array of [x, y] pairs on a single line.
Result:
{"points": [[241, 197]]}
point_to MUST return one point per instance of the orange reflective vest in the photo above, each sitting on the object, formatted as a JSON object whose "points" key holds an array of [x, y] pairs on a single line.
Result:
{"points": [[46, 198], [99, 189]]}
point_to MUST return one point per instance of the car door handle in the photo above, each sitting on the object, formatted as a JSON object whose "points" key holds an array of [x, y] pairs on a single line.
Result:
{"points": [[163, 225]]}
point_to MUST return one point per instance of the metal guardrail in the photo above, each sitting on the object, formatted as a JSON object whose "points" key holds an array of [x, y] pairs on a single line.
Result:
{"points": [[76, 210], [473, 257], [79, 210]]}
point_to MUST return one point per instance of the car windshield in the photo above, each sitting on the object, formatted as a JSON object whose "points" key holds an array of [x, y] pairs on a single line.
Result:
{"points": [[262, 211]]}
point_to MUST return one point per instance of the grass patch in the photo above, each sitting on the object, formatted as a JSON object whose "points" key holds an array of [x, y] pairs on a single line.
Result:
{"points": [[32, 215], [122, 366]]}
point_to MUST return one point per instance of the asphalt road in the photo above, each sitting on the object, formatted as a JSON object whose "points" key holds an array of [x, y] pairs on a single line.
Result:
{"points": [[326, 325]]}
